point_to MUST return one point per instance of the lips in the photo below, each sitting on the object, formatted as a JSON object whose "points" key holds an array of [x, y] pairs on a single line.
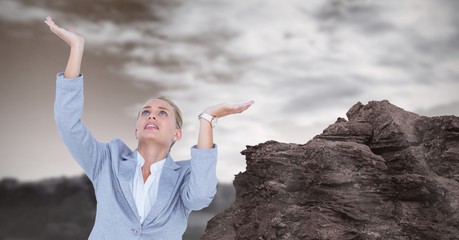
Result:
{"points": [[151, 126]]}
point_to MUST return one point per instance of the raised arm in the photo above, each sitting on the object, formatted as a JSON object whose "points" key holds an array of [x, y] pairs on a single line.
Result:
{"points": [[205, 139], [76, 44], [201, 185], [68, 108]]}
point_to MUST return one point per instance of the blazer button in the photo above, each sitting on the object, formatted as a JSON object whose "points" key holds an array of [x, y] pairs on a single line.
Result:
{"points": [[135, 231]]}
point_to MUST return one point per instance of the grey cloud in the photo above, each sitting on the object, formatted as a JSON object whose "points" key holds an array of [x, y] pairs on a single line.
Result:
{"points": [[17, 11], [440, 110], [358, 14], [414, 48], [328, 95]]}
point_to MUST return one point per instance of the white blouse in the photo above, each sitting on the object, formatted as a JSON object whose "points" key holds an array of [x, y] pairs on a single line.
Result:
{"points": [[145, 192]]}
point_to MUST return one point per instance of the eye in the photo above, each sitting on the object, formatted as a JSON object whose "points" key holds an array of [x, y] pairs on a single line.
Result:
{"points": [[163, 113], [145, 113]]}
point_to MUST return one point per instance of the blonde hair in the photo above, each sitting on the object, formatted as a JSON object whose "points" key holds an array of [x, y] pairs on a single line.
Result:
{"points": [[177, 112]]}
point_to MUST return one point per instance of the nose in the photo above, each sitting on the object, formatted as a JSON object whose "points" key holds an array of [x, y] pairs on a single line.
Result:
{"points": [[150, 117]]}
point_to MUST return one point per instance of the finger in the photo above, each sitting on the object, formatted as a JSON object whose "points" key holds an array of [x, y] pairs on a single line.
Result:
{"points": [[246, 105], [249, 103], [52, 25], [60, 32], [242, 108], [49, 23], [56, 30], [49, 19]]}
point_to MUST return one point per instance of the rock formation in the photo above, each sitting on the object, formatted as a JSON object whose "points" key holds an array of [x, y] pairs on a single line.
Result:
{"points": [[384, 173]]}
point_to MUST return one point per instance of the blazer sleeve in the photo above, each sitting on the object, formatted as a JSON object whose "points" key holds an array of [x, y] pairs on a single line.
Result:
{"points": [[68, 109], [200, 185]]}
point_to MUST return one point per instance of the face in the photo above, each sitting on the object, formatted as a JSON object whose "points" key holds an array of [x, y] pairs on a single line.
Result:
{"points": [[156, 123]]}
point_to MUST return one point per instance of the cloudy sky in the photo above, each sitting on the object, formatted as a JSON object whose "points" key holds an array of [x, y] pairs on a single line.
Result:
{"points": [[305, 63]]}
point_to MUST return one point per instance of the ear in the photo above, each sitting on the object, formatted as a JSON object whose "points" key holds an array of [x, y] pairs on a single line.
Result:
{"points": [[178, 135]]}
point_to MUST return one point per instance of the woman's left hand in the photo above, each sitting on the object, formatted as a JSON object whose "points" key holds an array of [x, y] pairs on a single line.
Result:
{"points": [[225, 109]]}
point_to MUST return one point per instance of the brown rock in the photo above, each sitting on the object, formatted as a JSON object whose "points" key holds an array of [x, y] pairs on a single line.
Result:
{"points": [[384, 174]]}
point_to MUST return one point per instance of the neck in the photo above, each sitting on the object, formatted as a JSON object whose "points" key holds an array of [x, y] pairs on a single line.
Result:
{"points": [[152, 153]]}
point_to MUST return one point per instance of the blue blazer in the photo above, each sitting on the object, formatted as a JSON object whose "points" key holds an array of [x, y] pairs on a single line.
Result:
{"points": [[183, 186]]}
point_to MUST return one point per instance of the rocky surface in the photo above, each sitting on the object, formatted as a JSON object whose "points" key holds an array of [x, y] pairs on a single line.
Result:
{"points": [[384, 173]]}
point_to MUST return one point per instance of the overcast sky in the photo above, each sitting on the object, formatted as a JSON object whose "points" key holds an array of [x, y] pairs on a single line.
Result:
{"points": [[305, 63]]}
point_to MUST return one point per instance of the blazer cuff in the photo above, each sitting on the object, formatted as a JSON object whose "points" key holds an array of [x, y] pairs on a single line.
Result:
{"points": [[60, 75], [210, 153]]}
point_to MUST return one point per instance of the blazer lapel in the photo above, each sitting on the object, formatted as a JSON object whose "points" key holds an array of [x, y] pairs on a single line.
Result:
{"points": [[126, 170], [167, 182]]}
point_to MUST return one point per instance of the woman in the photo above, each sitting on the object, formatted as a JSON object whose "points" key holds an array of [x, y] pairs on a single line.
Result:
{"points": [[141, 194]]}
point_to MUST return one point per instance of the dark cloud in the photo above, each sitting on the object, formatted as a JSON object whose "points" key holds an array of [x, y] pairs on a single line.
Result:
{"points": [[119, 11], [359, 14]]}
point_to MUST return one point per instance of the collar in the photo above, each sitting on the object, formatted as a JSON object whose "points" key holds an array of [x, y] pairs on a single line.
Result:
{"points": [[155, 167], [128, 165]]}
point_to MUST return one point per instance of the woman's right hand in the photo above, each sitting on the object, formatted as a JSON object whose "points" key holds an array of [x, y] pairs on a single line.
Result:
{"points": [[69, 36], [76, 44]]}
